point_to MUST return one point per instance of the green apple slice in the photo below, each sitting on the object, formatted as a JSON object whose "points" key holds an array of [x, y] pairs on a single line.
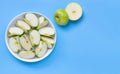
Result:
{"points": [[15, 31], [74, 11], [42, 22], [34, 37], [31, 19], [41, 49], [23, 25], [49, 45], [48, 40], [25, 42], [14, 44], [27, 54], [47, 31]]}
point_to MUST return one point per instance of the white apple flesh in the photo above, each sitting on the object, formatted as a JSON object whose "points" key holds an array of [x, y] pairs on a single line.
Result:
{"points": [[49, 45], [48, 40], [74, 11], [14, 44], [31, 19], [25, 42], [23, 25], [47, 31], [15, 31], [41, 49], [27, 54], [34, 37], [42, 22]]}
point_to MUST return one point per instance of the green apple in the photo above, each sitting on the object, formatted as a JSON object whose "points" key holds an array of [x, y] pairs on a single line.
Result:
{"points": [[61, 17]]}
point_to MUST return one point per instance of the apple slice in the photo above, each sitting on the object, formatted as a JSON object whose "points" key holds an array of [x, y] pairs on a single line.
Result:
{"points": [[42, 22], [47, 31], [31, 19], [15, 31], [41, 49], [27, 54], [48, 40], [49, 45], [74, 11], [14, 44], [23, 25], [25, 42], [34, 37]]}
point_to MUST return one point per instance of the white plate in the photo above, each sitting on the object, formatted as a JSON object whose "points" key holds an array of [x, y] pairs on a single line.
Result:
{"points": [[12, 23]]}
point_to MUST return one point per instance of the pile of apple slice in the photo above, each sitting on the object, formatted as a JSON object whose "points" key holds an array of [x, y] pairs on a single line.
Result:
{"points": [[31, 37]]}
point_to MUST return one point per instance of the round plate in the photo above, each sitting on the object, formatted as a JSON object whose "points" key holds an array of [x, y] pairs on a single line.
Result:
{"points": [[13, 22]]}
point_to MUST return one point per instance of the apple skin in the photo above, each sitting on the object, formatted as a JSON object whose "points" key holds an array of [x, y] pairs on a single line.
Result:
{"points": [[61, 17]]}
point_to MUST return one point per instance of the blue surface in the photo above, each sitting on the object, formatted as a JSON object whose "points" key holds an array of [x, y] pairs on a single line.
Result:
{"points": [[88, 46]]}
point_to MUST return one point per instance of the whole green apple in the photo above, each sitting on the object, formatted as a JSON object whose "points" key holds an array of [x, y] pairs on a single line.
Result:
{"points": [[61, 17]]}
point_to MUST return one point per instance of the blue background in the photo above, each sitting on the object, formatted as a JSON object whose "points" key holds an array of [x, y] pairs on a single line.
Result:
{"points": [[90, 45]]}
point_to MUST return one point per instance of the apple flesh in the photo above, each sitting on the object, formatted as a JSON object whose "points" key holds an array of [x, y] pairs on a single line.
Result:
{"points": [[74, 11]]}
